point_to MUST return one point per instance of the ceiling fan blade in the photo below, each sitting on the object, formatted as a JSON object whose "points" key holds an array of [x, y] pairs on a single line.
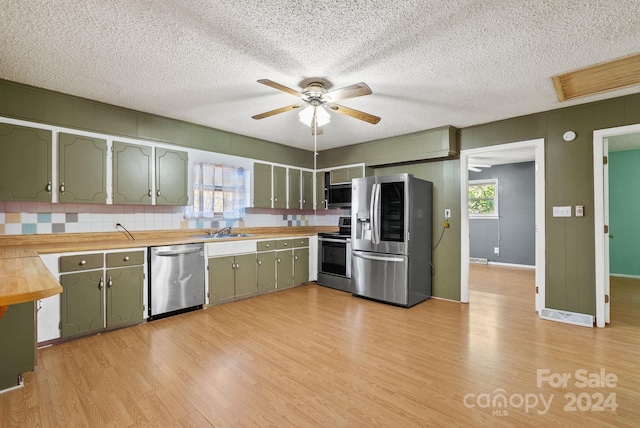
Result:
{"points": [[352, 91], [276, 111], [355, 113], [280, 87]]}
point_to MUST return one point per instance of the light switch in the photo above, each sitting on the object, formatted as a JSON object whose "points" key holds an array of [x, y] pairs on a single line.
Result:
{"points": [[562, 211], [579, 210]]}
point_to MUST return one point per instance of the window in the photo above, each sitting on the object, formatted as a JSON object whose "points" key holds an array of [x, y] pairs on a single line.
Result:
{"points": [[483, 198], [218, 191]]}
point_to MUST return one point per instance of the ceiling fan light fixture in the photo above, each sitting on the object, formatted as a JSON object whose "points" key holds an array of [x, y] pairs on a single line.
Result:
{"points": [[310, 112]]}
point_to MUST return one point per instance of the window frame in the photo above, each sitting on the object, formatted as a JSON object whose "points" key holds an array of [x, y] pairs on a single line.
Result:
{"points": [[496, 213], [216, 189]]}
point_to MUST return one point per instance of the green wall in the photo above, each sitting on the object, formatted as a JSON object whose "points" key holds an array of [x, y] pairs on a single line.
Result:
{"points": [[570, 246], [39, 105], [624, 211]]}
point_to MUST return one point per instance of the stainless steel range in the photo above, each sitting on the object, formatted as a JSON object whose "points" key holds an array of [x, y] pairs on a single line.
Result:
{"points": [[334, 257]]}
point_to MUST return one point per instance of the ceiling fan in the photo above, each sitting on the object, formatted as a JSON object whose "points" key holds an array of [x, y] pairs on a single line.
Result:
{"points": [[315, 98]]}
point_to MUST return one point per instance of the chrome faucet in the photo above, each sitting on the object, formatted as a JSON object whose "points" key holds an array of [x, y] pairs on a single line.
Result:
{"points": [[223, 231]]}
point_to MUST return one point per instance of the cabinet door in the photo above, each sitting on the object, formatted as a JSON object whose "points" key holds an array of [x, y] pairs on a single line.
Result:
{"points": [[266, 271], [279, 187], [131, 174], [307, 190], [261, 185], [172, 177], [246, 282], [82, 171], [221, 279], [124, 295], [340, 175], [82, 302], [354, 172], [320, 191], [294, 188], [284, 269], [300, 266], [25, 164]]}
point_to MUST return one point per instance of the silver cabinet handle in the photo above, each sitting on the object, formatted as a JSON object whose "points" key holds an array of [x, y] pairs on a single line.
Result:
{"points": [[295, 258], [48, 187], [285, 244], [101, 284], [259, 262], [149, 192], [82, 262], [266, 245], [158, 192], [237, 265], [126, 259], [278, 260], [61, 187], [110, 283]]}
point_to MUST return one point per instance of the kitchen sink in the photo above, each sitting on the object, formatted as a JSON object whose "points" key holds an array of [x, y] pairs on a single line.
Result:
{"points": [[224, 236]]}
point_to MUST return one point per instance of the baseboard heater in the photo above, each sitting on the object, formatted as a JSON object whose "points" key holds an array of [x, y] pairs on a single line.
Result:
{"points": [[567, 317], [478, 261]]}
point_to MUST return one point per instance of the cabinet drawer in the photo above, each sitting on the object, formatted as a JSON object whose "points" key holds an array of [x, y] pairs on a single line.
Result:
{"points": [[127, 258], [81, 262], [300, 242], [284, 244], [266, 245]]}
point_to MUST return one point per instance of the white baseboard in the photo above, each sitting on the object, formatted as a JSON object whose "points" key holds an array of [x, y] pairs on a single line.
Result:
{"points": [[512, 265], [624, 275]]}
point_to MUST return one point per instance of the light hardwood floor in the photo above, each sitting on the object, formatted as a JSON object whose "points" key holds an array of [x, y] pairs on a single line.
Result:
{"points": [[316, 357]]}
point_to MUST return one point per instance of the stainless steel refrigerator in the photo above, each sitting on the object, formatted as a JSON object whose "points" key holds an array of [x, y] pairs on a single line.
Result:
{"points": [[391, 226]]}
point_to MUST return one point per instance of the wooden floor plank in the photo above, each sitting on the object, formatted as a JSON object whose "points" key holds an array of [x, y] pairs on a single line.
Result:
{"points": [[313, 356]]}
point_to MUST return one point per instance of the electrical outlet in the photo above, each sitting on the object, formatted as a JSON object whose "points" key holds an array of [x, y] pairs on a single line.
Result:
{"points": [[447, 214], [496, 250]]}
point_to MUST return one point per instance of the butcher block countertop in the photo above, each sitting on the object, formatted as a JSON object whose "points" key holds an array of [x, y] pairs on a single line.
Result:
{"points": [[24, 277]]}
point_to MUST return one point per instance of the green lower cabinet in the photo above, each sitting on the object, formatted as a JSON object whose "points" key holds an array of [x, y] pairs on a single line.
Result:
{"points": [[221, 279], [231, 277], [124, 296], [284, 269], [82, 302], [245, 275], [266, 271], [17, 343], [300, 266]]}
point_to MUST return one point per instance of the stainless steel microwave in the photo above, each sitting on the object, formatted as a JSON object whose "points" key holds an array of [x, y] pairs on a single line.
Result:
{"points": [[339, 196]]}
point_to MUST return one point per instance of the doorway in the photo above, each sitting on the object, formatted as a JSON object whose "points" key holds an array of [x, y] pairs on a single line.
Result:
{"points": [[525, 150], [601, 217]]}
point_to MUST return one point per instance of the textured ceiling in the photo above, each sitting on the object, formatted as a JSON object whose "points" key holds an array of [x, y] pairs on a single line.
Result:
{"points": [[429, 63]]}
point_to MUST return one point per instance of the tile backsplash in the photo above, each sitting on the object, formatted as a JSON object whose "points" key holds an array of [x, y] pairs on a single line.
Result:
{"points": [[25, 218]]}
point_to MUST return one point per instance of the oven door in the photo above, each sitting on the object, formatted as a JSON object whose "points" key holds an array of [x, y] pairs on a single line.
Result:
{"points": [[334, 256]]}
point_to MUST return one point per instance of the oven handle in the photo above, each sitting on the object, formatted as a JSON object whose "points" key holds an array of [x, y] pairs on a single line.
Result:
{"points": [[339, 241]]}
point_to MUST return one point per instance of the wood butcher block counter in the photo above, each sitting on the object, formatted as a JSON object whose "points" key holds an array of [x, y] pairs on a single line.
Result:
{"points": [[25, 278]]}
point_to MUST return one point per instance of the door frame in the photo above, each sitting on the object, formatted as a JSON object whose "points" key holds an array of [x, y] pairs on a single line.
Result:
{"points": [[600, 217], [540, 238]]}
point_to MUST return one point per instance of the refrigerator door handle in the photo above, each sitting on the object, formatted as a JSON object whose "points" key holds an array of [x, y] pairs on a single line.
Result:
{"points": [[375, 221], [380, 258]]}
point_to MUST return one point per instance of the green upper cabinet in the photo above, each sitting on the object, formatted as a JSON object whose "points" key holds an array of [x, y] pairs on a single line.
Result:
{"points": [[172, 176], [261, 185], [345, 175], [279, 187], [320, 201], [131, 174], [25, 164], [294, 188], [306, 186], [82, 169]]}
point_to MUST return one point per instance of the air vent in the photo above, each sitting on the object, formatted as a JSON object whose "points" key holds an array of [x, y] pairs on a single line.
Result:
{"points": [[567, 317], [478, 261], [607, 76]]}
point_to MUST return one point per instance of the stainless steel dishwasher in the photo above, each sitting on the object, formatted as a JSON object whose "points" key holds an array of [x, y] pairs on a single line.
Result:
{"points": [[176, 279]]}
